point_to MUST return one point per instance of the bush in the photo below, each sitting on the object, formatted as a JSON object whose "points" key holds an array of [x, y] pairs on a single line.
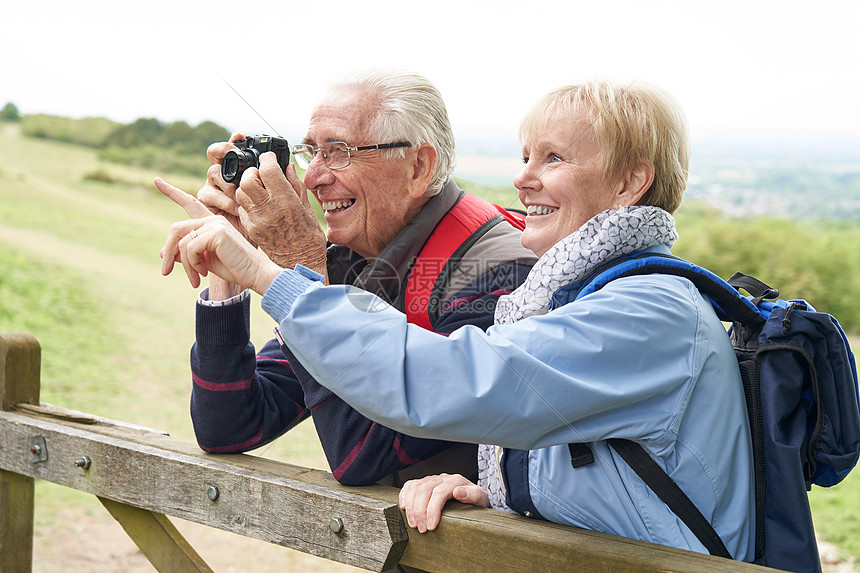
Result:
{"points": [[10, 113], [157, 159], [803, 260], [178, 137], [100, 175], [142, 132]]}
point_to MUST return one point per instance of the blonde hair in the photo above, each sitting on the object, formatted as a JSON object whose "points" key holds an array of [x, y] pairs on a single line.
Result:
{"points": [[630, 123]]}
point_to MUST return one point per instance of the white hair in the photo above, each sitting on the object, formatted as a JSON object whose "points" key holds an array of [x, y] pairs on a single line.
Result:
{"points": [[410, 109]]}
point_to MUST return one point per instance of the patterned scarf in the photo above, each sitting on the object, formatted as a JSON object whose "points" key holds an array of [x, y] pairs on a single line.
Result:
{"points": [[604, 237]]}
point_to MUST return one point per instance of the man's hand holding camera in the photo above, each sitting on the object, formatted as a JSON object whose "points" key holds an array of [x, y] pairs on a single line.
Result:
{"points": [[276, 214], [219, 195], [269, 209]]}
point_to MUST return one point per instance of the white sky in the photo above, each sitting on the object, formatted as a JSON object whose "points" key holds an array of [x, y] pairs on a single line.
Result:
{"points": [[779, 68]]}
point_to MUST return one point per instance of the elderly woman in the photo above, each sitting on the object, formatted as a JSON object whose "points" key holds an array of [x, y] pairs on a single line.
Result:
{"points": [[645, 358]]}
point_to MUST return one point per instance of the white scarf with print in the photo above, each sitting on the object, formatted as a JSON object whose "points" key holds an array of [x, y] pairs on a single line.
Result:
{"points": [[604, 237]]}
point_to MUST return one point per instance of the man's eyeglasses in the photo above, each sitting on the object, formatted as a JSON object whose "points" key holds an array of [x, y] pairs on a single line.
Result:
{"points": [[335, 153]]}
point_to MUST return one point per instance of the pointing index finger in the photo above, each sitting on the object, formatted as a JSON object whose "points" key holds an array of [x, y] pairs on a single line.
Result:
{"points": [[192, 206]]}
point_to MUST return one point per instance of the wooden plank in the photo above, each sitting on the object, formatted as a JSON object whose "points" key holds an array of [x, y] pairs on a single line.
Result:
{"points": [[44, 410], [253, 503], [157, 538], [20, 363], [473, 539]]}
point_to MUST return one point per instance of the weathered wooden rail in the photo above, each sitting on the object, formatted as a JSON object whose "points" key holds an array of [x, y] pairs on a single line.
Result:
{"points": [[142, 475]]}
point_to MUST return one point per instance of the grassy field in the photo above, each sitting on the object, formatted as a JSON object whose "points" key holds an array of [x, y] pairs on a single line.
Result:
{"points": [[79, 244]]}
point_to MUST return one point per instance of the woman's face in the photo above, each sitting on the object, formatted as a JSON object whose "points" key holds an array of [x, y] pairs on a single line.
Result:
{"points": [[561, 184]]}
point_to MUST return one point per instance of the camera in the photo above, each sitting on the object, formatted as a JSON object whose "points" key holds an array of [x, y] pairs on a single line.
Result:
{"points": [[236, 161]]}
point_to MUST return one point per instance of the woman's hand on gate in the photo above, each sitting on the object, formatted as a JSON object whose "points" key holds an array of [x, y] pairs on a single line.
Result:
{"points": [[423, 499]]}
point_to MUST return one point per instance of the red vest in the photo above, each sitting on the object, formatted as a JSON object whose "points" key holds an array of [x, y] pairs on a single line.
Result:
{"points": [[459, 229]]}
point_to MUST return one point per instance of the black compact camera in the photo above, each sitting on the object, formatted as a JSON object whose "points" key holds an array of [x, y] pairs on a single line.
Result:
{"points": [[248, 155]]}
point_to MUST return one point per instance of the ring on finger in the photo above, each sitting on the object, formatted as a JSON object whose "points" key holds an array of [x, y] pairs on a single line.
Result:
{"points": [[193, 233]]}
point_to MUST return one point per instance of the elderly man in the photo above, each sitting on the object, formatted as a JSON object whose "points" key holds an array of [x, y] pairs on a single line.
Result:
{"points": [[379, 155]]}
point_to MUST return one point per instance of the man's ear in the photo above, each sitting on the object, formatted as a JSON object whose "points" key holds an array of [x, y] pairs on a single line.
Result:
{"points": [[422, 168], [637, 179]]}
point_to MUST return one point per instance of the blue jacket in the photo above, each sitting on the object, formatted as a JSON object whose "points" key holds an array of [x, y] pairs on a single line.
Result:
{"points": [[243, 397], [645, 358]]}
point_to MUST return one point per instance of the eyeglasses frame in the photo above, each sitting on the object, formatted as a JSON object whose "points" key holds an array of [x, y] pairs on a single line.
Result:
{"points": [[349, 150]]}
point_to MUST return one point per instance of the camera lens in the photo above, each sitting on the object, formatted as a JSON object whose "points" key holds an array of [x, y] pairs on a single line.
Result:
{"points": [[236, 162]]}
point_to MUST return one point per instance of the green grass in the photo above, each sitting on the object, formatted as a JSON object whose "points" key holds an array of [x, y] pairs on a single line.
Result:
{"points": [[505, 195], [835, 515], [81, 271], [61, 310]]}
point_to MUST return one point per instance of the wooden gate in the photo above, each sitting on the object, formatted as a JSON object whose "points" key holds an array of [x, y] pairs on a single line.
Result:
{"points": [[142, 475]]}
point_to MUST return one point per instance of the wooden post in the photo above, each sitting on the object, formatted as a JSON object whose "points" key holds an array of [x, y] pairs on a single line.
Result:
{"points": [[157, 538], [20, 361]]}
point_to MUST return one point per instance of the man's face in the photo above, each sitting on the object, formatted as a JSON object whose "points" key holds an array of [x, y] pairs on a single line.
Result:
{"points": [[366, 203]]}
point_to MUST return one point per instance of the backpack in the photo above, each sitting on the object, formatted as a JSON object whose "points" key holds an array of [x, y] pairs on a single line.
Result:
{"points": [[461, 227], [800, 383]]}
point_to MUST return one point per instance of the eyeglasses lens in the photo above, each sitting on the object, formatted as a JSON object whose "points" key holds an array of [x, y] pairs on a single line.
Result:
{"points": [[303, 155], [335, 154]]}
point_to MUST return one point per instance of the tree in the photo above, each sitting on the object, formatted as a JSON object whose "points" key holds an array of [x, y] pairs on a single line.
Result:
{"points": [[144, 131], [208, 132], [177, 136], [10, 113]]}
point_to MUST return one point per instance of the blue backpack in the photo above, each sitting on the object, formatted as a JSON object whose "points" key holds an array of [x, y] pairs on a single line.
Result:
{"points": [[800, 382]]}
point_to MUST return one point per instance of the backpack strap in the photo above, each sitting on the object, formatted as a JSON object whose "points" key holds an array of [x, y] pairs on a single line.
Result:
{"points": [[724, 297], [755, 287], [461, 227], [580, 454], [667, 490]]}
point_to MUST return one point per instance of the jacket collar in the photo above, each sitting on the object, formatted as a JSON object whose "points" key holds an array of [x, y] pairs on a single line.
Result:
{"points": [[385, 274]]}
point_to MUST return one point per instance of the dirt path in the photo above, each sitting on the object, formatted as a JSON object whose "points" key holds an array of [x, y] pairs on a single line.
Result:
{"points": [[88, 540]]}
